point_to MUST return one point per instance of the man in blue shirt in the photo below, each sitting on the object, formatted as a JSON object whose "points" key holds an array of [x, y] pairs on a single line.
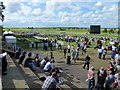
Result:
{"points": [[113, 54]]}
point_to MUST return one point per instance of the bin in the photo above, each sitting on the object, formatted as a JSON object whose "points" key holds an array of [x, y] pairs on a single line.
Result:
{"points": [[68, 60]]}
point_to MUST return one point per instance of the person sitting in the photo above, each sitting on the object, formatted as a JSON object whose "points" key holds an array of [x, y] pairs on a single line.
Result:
{"points": [[37, 60], [30, 63], [49, 65], [28, 56], [17, 54], [50, 83], [43, 62], [21, 58]]}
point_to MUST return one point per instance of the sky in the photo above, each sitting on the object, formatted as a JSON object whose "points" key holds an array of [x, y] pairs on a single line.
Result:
{"points": [[60, 13]]}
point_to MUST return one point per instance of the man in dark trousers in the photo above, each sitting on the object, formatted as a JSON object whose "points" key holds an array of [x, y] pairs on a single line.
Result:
{"points": [[65, 51], [100, 81], [50, 45], [87, 61], [4, 63]]}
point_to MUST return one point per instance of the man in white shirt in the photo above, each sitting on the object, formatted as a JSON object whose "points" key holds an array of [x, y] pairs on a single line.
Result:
{"points": [[42, 63], [117, 58], [100, 51], [69, 48], [3, 54], [48, 66]]}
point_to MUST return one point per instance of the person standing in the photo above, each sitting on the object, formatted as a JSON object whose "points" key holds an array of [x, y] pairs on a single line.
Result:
{"points": [[4, 63], [117, 58], [102, 70], [91, 78], [113, 55], [87, 61], [84, 49], [77, 54], [101, 76], [100, 51], [32, 44], [68, 48], [100, 81], [111, 68], [117, 79], [65, 51], [51, 55], [104, 53], [72, 47], [73, 53], [110, 79], [51, 46]]}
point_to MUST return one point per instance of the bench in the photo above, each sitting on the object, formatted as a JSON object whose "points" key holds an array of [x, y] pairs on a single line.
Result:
{"points": [[30, 77], [38, 75], [13, 79], [44, 74]]}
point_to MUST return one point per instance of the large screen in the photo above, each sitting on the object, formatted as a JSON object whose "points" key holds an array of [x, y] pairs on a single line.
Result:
{"points": [[95, 29]]}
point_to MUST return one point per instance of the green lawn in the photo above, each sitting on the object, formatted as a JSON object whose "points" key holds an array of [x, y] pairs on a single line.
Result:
{"points": [[59, 55], [64, 31]]}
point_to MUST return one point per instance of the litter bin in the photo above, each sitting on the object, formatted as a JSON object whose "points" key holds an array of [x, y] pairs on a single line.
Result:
{"points": [[68, 60]]}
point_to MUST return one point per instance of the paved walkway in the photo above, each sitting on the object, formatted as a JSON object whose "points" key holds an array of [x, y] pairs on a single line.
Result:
{"points": [[13, 79], [73, 74]]}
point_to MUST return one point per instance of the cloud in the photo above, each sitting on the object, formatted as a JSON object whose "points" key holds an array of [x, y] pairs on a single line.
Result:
{"points": [[25, 10], [113, 8], [37, 11], [104, 9], [88, 14], [60, 13], [99, 4], [13, 7]]}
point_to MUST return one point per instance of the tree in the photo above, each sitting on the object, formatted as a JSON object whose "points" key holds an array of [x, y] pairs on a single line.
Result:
{"points": [[118, 31], [2, 7], [111, 31], [62, 29], [105, 30]]}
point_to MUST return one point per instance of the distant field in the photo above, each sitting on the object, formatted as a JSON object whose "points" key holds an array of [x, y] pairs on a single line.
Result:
{"points": [[66, 31]]}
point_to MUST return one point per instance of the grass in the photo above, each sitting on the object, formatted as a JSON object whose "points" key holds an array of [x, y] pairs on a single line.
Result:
{"points": [[59, 55], [59, 31]]}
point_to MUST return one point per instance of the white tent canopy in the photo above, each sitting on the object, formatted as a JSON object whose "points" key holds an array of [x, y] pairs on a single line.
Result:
{"points": [[8, 32], [10, 39]]}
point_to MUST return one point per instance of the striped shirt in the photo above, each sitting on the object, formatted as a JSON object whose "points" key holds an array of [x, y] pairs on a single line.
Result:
{"points": [[50, 82]]}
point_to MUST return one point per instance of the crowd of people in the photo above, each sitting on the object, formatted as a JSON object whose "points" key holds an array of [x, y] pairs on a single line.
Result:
{"points": [[28, 59], [106, 79]]}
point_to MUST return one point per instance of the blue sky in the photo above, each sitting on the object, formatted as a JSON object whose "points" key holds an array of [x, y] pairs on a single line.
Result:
{"points": [[60, 13]]}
